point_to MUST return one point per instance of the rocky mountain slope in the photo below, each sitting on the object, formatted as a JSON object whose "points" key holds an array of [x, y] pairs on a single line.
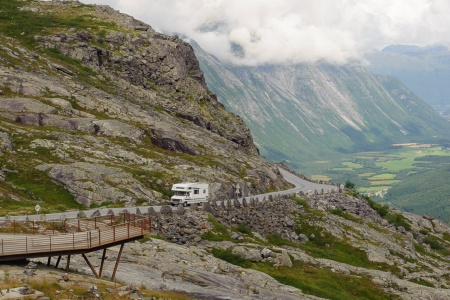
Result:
{"points": [[332, 246], [97, 108], [303, 113]]}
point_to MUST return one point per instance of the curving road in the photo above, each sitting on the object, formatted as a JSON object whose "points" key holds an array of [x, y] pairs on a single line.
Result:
{"points": [[300, 185]]}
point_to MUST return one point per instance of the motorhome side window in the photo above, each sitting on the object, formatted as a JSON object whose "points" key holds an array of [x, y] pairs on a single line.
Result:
{"points": [[204, 191], [196, 191]]}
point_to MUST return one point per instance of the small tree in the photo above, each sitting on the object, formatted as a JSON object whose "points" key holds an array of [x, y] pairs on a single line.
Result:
{"points": [[349, 185]]}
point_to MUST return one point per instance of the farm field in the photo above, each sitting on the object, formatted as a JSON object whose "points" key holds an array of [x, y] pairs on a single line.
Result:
{"points": [[373, 172], [412, 177]]}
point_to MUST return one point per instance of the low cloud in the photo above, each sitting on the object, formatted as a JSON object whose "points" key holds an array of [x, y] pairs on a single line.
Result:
{"points": [[253, 32]]}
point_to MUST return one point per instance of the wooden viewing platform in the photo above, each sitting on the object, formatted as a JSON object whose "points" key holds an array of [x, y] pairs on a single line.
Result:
{"points": [[30, 239]]}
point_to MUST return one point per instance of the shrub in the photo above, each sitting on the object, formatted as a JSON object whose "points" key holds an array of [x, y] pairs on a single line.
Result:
{"points": [[277, 240], [218, 233], [300, 201], [242, 228], [382, 210], [434, 243], [228, 256], [397, 219]]}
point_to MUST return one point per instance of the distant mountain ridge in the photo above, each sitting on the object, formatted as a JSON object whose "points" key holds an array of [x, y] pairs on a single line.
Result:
{"points": [[424, 70], [301, 113]]}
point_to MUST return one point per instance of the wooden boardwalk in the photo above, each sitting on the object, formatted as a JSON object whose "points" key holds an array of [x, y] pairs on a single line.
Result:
{"points": [[100, 233]]}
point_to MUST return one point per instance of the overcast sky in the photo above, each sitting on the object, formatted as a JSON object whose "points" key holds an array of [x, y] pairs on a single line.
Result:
{"points": [[292, 31]]}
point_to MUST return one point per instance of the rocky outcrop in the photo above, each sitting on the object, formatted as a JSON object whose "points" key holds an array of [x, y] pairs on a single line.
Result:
{"points": [[93, 183], [346, 204], [149, 60]]}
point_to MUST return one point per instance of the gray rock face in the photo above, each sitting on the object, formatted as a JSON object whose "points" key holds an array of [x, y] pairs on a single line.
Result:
{"points": [[285, 260], [6, 142], [347, 204], [91, 183], [265, 253]]}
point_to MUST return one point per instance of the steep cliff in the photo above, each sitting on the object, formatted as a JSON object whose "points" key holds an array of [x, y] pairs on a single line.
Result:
{"points": [[97, 107]]}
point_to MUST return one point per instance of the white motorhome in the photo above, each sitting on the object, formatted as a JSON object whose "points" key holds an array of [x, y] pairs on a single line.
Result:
{"points": [[189, 192]]}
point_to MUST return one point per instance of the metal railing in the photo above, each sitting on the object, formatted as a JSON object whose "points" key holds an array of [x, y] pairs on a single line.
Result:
{"points": [[72, 234]]}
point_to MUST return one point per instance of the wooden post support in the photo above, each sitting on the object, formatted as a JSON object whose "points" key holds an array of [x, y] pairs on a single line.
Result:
{"points": [[48, 261], [68, 263], [57, 262], [90, 265], [101, 264], [117, 263]]}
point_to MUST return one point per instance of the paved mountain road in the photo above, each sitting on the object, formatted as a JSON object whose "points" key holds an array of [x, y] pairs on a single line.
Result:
{"points": [[299, 185]]}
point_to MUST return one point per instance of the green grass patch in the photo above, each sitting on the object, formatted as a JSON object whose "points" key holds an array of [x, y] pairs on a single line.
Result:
{"points": [[434, 243], [149, 237], [228, 256], [321, 177], [324, 283], [422, 282], [383, 210], [376, 184], [339, 212], [342, 169], [218, 233], [300, 201], [398, 219], [242, 228], [10, 206], [36, 185], [367, 174], [277, 240], [24, 25], [325, 245], [384, 176], [320, 282], [373, 188], [437, 244], [352, 165]]}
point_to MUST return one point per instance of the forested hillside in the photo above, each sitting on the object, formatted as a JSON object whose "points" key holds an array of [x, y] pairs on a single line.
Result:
{"points": [[426, 192]]}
